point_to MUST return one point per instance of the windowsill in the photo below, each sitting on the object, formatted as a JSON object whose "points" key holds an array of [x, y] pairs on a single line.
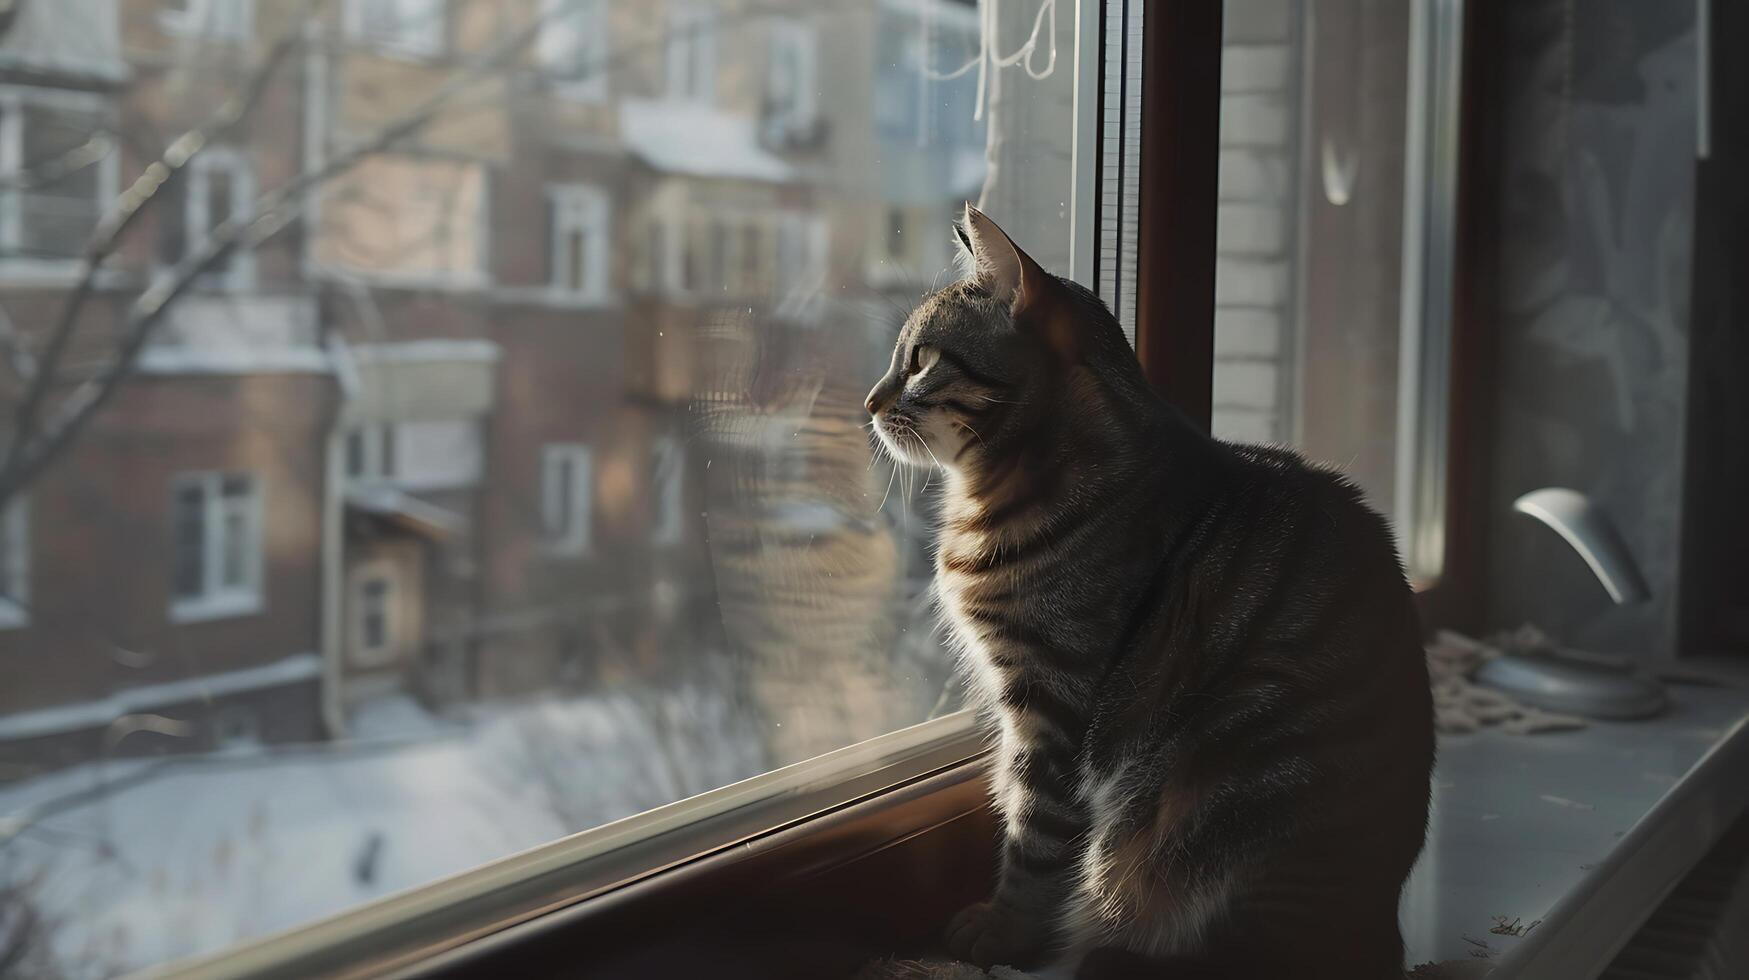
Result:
{"points": [[208, 608], [1583, 831], [399, 50], [732, 823]]}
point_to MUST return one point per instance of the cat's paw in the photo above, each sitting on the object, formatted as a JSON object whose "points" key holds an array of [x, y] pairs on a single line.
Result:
{"points": [[986, 934]]}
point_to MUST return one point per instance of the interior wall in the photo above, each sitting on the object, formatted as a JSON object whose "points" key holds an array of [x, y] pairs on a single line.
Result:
{"points": [[1589, 387]]}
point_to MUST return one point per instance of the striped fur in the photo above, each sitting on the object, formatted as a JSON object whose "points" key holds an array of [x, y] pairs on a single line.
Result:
{"points": [[1214, 730]]}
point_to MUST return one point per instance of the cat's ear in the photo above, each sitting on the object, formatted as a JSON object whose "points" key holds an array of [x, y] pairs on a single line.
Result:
{"points": [[1011, 276], [963, 259]]}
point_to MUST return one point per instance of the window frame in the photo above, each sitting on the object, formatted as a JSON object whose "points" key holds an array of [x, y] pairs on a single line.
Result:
{"points": [[692, 42], [238, 274], [363, 655], [13, 100], [425, 42], [668, 491], [586, 208], [197, 20], [553, 56], [217, 600], [577, 538], [797, 119]]}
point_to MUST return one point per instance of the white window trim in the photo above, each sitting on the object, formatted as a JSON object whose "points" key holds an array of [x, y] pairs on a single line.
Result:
{"points": [[373, 438], [692, 35], [198, 20], [15, 609], [218, 602], [362, 654], [591, 17], [805, 112], [581, 502], [13, 98], [239, 274], [423, 44], [592, 203]]}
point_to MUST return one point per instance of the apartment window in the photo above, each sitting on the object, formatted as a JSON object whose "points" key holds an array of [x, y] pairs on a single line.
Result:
{"points": [[373, 621], [231, 20], [573, 47], [370, 452], [667, 465], [57, 173], [216, 546], [579, 246], [692, 52], [791, 92], [216, 185], [565, 498], [15, 564], [405, 27]]}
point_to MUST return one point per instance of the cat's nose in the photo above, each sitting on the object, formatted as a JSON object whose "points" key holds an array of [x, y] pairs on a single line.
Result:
{"points": [[876, 400]]}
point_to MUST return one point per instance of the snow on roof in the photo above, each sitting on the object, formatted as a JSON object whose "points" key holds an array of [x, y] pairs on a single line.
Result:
{"points": [[698, 140]]}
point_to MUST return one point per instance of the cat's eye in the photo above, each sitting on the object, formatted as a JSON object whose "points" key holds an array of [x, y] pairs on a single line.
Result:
{"points": [[923, 356]]}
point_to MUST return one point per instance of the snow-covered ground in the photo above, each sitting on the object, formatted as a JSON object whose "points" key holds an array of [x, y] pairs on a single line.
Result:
{"points": [[137, 862]]}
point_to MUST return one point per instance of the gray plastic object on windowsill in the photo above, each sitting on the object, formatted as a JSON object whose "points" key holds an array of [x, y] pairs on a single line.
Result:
{"points": [[1581, 684]]}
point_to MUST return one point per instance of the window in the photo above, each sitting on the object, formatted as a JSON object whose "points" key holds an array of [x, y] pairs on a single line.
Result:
{"points": [[579, 244], [791, 97], [57, 170], [574, 47], [15, 564], [405, 27], [231, 20], [413, 458], [1328, 328], [217, 186], [373, 641], [565, 498], [692, 52], [216, 542], [667, 480], [370, 452]]}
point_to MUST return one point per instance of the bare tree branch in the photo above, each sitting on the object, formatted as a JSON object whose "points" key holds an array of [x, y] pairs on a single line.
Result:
{"points": [[29, 453], [121, 216]]}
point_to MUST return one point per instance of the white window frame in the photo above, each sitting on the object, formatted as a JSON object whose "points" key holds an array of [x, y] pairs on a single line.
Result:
{"points": [[668, 473], [568, 36], [802, 43], [363, 654], [377, 442], [584, 208], [15, 555], [227, 20], [239, 273], [690, 62], [13, 99], [217, 599], [578, 503], [420, 27]]}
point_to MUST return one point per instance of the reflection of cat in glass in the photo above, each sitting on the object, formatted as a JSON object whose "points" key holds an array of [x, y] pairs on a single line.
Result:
{"points": [[807, 571]]}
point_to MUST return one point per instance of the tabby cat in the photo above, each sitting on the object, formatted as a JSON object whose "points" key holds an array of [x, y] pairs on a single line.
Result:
{"points": [[1215, 729]]}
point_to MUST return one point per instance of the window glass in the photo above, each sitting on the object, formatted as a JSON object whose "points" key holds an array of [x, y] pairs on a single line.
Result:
{"points": [[1317, 185], [521, 484]]}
